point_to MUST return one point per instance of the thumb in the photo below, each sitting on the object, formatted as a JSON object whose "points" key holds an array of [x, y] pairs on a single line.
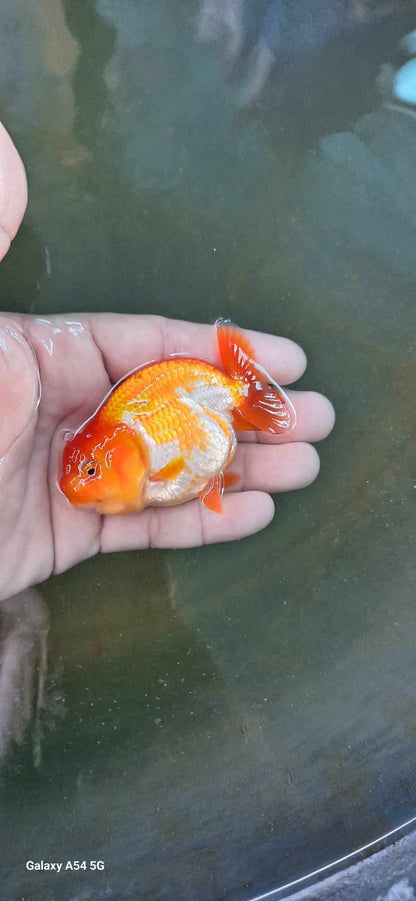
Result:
{"points": [[19, 384], [13, 191]]}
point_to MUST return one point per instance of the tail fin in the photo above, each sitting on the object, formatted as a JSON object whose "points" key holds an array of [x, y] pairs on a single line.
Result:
{"points": [[265, 406]]}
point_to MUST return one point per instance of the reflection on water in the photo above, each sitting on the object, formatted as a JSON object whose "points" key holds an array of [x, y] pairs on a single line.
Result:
{"points": [[236, 715], [278, 42], [23, 670], [272, 33]]}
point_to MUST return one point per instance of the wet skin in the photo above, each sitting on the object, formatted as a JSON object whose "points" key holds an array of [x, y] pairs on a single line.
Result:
{"points": [[78, 358]]}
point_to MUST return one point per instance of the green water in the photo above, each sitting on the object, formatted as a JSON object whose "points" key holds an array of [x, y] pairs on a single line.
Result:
{"points": [[219, 721]]}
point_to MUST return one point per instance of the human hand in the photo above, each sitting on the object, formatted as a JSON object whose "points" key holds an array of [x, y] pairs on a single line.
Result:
{"points": [[76, 360], [78, 357]]}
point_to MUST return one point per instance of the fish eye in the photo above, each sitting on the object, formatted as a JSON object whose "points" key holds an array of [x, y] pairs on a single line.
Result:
{"points": [[90, 468]]}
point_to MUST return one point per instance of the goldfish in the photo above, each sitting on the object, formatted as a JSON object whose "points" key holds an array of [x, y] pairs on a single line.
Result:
{"points": [[166, 432]]}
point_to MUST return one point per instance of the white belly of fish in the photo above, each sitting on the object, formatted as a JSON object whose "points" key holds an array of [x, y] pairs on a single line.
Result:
{"points": [[200, 466]]}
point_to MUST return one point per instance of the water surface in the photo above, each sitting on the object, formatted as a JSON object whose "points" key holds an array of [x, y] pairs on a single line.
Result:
{"points": [[219, 721]]}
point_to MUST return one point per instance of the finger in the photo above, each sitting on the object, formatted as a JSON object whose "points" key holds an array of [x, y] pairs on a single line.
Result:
{"points": [[274, 469], [188, 525], [19, 384], [128, 341], [74, 378], [13, 191], [315, 419]]}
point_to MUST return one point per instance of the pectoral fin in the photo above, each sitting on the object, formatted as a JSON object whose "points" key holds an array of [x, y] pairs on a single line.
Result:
{"points": [[170, 471]]}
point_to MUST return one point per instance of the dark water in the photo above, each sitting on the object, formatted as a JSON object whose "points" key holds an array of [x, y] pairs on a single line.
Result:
{"points": [[220, 721]]}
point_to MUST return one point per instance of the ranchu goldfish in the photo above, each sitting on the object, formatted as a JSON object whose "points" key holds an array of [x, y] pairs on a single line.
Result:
{"points": [[166, 432]]}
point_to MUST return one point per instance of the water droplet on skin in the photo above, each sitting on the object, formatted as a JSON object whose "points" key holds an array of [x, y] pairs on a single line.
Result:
{"points": [[14, 334], [48, 345], [76, 328]]}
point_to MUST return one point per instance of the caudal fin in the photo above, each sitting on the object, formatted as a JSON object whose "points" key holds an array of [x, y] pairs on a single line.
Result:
{"points": [[265, 406]]}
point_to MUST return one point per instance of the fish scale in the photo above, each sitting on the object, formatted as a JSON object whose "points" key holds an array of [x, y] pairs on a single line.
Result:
{"points": [[150, 397]]}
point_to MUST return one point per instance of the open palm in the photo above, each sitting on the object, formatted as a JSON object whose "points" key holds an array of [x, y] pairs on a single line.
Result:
{"points": [[54, 373], [76, 359]]}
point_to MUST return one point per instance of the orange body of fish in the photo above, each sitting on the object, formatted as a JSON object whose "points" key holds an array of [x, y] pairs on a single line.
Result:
{"points": [[166, 432]]}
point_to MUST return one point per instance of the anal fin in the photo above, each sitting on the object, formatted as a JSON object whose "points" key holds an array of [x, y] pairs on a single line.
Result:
{"points": [[231, 479], [211, 495]]}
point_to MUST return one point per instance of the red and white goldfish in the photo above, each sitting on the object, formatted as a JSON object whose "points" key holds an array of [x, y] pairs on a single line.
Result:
{"points": [[166, 432]]}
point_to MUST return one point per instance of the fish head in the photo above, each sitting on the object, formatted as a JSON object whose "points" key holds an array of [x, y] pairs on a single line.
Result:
{"points": [[104, 468]]}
